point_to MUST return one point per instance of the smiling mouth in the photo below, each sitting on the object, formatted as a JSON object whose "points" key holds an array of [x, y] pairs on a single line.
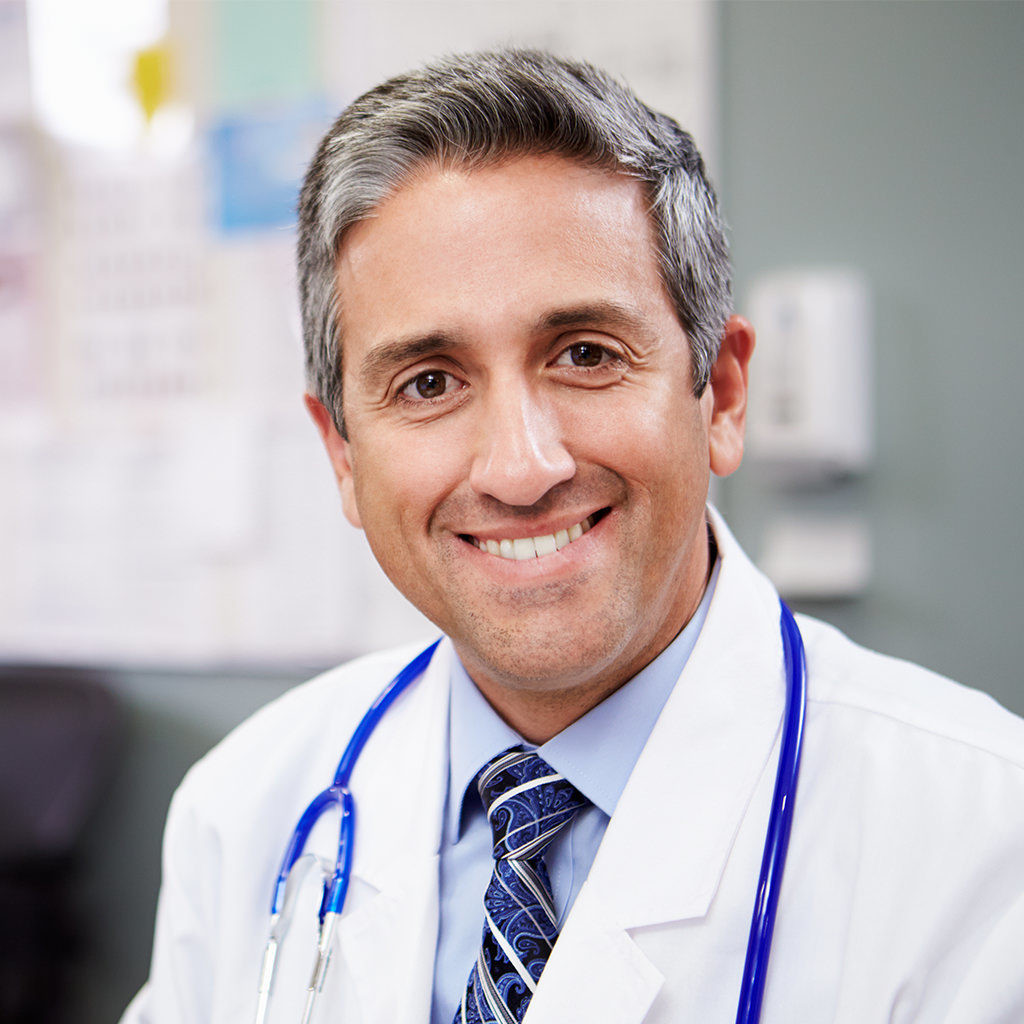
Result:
{"points": [[520, 549]]}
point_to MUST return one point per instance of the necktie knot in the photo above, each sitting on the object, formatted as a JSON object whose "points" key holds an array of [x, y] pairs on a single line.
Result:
{"points": [[527, 802]]}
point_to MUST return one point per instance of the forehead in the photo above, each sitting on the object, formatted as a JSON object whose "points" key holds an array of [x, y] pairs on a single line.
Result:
{"points": [[498, 244]]}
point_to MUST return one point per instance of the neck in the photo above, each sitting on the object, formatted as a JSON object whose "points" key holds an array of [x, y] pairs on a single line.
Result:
{"points": [[538, 716]]}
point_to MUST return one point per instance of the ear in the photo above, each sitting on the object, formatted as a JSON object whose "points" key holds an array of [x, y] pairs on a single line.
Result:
{"points": [[728, 387], [339, 452]]}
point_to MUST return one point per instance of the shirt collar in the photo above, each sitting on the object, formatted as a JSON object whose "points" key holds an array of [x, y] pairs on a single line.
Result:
{"points": [[621, 723], [476, 734]]}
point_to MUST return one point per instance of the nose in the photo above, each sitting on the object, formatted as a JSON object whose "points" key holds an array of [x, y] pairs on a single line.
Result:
{"points": [[521, 452]]}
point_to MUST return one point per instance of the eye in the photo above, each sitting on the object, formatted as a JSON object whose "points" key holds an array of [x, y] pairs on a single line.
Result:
{"points": [[584, 354], [428, 384]]}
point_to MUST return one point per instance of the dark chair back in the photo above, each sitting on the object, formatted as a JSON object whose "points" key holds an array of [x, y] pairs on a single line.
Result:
{"points": [[59, 733]]}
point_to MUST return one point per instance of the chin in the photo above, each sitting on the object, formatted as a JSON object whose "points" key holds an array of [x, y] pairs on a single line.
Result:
{"points": [[523, 657]]}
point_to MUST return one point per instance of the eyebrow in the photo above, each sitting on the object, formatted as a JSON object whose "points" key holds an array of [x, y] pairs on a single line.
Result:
{"points": [[606, 313], [381, 361]]}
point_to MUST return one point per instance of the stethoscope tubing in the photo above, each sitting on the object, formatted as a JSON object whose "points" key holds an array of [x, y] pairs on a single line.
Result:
{"points": [[780, 821], [773, 860], [338, 793]]}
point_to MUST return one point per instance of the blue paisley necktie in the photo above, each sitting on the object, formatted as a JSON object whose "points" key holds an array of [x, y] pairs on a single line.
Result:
{"points": [[528, 803]]}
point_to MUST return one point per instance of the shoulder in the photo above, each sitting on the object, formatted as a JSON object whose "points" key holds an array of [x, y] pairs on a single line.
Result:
{"points": [[300, 734], [908, 702], [909, 819], [855, 693]]}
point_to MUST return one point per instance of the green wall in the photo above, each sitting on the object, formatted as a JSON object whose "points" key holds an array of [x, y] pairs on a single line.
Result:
{"points": [[889, 136]]}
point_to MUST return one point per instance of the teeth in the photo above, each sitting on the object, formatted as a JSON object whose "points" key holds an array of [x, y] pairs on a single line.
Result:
{"points": [[546, 545], [522, 548]]}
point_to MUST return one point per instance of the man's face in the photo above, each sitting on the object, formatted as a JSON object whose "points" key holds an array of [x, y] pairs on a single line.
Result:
{"points": [[525, 453]]}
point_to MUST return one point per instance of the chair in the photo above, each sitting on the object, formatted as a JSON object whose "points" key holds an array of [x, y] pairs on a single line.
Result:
{"points": [[59, 732]]}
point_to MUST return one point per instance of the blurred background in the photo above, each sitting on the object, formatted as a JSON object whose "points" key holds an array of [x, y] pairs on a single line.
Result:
{"points": [[172, 553]]}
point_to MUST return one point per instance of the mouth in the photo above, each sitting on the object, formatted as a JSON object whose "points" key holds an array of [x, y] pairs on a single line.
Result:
{"points": [[519, 549]]}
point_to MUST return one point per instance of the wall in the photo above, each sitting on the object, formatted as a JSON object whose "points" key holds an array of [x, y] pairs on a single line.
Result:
{"points": [[887, 136]]}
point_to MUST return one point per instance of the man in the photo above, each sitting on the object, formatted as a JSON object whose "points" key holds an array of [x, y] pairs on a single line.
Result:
{"points": [[523, 365]]}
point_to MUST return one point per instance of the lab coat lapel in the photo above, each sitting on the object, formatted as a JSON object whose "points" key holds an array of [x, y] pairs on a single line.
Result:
{"points": [[596, 972], [387, 939], [668, 843]]}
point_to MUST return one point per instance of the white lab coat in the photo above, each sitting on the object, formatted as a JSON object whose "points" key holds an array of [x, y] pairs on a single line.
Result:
{"points": [[904, 890]]}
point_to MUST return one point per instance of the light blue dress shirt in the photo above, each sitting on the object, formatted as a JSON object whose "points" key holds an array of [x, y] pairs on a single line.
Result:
{"points": [[620, 724]]}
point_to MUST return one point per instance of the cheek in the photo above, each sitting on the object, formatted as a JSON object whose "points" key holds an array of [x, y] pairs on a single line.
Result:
{"points": [[384, 510], [400, 479], [653, 435]]}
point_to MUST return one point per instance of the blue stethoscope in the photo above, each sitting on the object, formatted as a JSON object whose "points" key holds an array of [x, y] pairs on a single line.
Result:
{"points": [[335, 884]]}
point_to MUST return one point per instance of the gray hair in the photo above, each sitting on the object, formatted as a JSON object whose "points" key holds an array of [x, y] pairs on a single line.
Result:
{"points": [[481, 108]]}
